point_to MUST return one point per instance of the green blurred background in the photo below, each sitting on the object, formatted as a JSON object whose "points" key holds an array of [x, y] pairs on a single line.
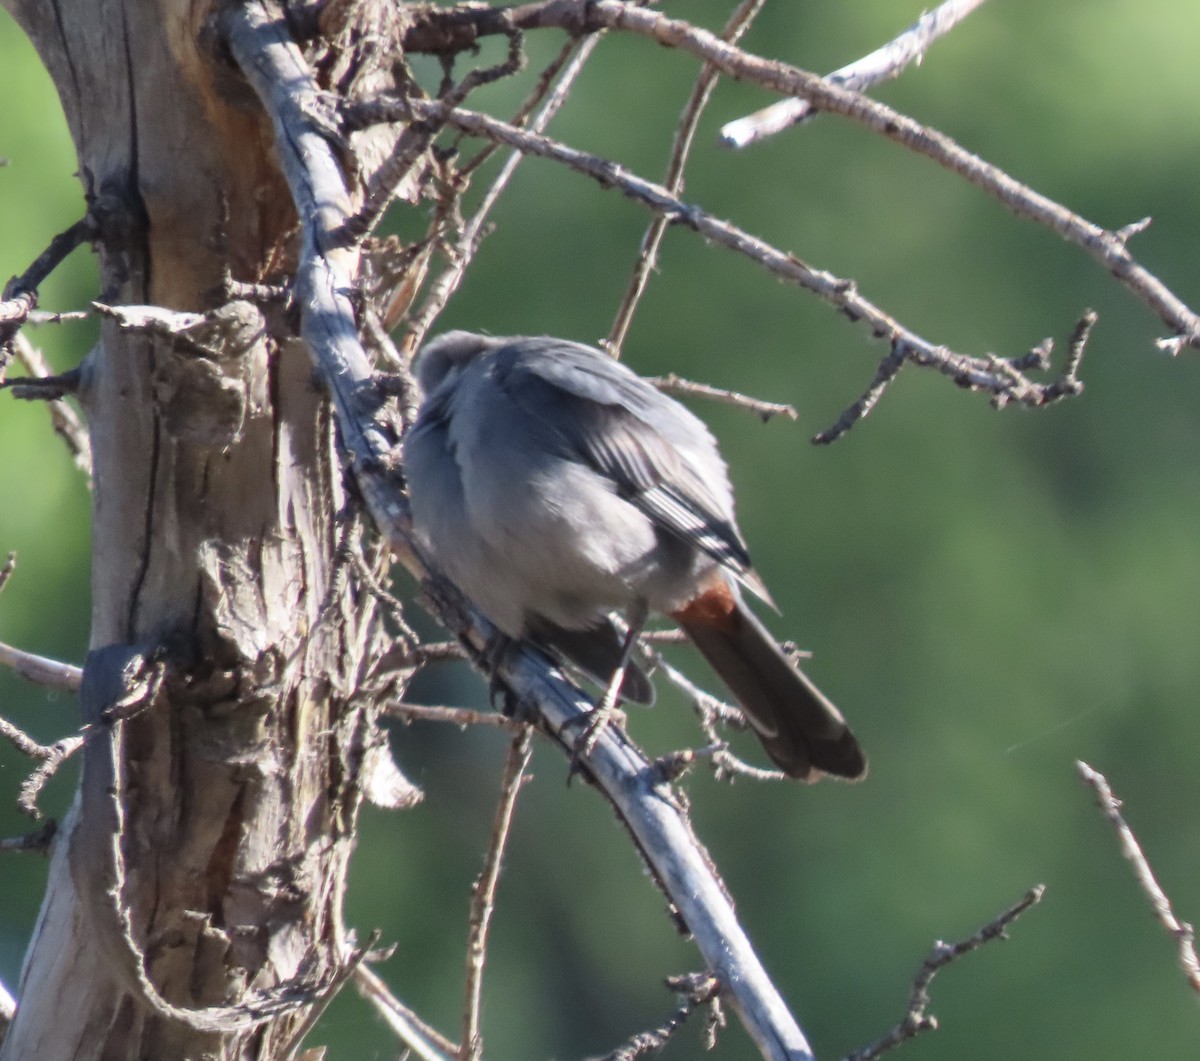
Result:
{"points": [[989, 596]]}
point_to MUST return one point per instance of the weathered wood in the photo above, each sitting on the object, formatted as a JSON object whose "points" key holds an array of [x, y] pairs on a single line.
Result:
{"points": [[215, 540]]}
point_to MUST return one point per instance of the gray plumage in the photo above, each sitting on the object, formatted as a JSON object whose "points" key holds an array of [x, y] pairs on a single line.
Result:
{"points": [[554, 486]]}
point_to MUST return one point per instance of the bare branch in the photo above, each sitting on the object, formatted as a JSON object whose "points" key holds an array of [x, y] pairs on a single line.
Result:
{"points": [[50, 757], [416, 138], [673, 384], [39, 840], [21, 292], [883, 64], [454, 716], [483, 896], [55, 755], [736, 25], [474, 230], [344, 972], [1106, 247], [1160, 904], [988, 374], [67, 423], [696, 991], [917, 1019], [326, 271], [424, 1043], [1003, 378], [711, 711]]}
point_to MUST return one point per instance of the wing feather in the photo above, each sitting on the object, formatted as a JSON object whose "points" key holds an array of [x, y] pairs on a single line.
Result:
{"points": [[605, 416]]}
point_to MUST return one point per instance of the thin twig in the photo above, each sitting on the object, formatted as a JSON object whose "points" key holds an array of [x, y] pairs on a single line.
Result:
{"points": [[50, 757], [31, 788], [695, 991], [710, 710], [1102, 245], [454, 716], [917, 1019], [889, 368], [541, 89], [325, 275], [317, 1006], [685, 134], [474, 229], [416, 138], [989, 374], [38, 841], [424, 1042], [483, 895], [881, 65], [1160, 904], [21, 292], [67, 423], [1107, 248], [673, 384], [39, 316]]}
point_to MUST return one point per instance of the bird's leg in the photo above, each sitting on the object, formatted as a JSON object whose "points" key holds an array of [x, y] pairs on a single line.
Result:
{"points": [[602, 713]]}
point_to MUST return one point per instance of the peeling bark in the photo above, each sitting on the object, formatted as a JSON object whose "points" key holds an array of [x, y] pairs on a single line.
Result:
{"points": [[215, 547]]}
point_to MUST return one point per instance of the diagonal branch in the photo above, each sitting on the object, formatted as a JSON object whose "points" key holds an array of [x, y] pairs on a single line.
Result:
{"points": [[881, 65], [483, 897], [67, 423], [1001, 378], [1160, 904], [275, 68], [735, 26], [474, 230], [420, 1040], [1107, 247], [917, 1018], [41, 670], [20, 295]]}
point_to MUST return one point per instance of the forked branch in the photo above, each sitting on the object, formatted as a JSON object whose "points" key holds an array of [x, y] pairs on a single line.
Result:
{"points": [[259, 41]]}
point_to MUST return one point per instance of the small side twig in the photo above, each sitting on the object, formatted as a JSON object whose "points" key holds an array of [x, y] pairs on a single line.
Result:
{"points": [[50, 757], [39, 840], [917, 1018], [685, 134], [474, 229], [881, 65], [710, 711], [454, 716], [67, 423], [695, 991], [483, 894], [56, 754], [21, 292], [1160, 904], [329, 990], [423, 1042], [673, 384], [1004, 378]]}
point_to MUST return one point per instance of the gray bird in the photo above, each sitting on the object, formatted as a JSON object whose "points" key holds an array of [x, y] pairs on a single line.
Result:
{"points": [[554, 486]]}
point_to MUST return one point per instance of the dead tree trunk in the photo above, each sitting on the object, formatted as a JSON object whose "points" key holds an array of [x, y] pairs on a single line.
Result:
{"points": [[216, 501]]}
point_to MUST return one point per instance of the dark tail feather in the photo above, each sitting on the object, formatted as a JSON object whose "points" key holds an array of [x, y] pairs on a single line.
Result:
{"points": [[597, 652], [801, 730]]}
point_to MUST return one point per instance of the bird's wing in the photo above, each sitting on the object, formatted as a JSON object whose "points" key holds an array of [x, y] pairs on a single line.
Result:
{"points": [[657, 455]]}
